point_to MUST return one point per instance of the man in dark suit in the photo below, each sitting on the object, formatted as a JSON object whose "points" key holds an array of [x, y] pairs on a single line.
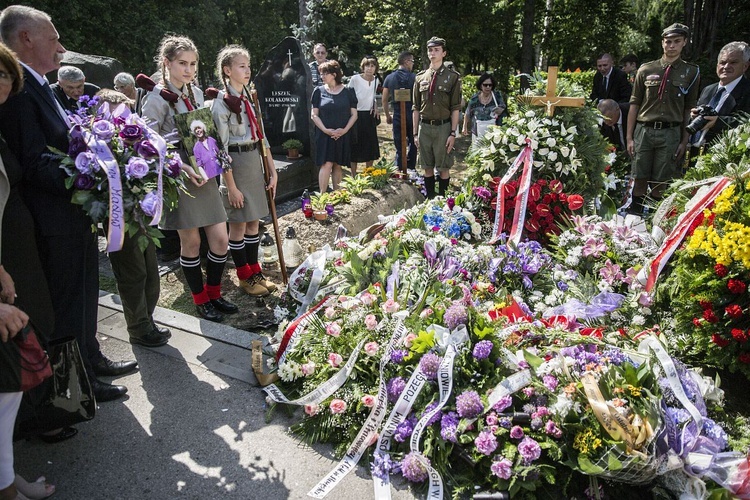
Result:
{"points": [[71, 85], [730, 95], [615, 122], [610, 82], [30, 122]]}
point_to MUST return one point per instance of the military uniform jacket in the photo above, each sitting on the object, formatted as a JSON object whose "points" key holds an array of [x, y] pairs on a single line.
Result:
{"points": [[446, 97], [680, 92]]}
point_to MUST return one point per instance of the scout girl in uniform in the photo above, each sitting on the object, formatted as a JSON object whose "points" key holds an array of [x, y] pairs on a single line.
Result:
{"points": [[177, 58], [243, 186]]}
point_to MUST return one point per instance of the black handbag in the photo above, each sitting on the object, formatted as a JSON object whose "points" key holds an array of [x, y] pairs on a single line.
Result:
{"points": [[66, 398]]}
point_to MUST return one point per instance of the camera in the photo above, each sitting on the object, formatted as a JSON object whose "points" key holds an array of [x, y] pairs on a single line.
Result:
{"points": [[700, 121]]}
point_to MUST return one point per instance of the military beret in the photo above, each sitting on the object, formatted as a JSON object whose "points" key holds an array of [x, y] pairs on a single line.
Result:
{"points": [[676, 29], [435, 41]]}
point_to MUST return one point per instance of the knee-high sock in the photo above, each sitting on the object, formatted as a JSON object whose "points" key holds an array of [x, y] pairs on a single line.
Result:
{"points": [[443, 185], [252, 241], [239, 256], [429, 186], [215, 268], [191, 267]]}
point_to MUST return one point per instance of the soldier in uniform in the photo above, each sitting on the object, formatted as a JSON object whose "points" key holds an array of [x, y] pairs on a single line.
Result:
{"points": [[664, 92], [437, 101]]}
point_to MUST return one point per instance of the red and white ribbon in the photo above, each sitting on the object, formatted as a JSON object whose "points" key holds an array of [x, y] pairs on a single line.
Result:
{"points": [[525, 157], [675, 237]]}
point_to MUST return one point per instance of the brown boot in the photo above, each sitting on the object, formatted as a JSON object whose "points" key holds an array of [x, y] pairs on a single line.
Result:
{"points": [[270, 286], [253, 287]]}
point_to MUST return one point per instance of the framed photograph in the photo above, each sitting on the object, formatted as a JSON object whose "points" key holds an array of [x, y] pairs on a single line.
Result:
{"points": [[198, 137]]}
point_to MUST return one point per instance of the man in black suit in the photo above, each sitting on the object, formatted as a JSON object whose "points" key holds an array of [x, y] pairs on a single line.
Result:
{"points": [[615, 122], [730, 95], [30, 122], [610, 82], [71, 85]]}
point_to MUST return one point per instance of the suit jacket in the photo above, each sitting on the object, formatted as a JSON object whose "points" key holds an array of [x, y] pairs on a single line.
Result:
{"points": [[738, 100], [619, 89], [30, 122], [69, 104], [613, 135]]}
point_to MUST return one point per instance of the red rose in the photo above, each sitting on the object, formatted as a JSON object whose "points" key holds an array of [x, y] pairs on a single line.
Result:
{"points": [[575, 201], [744, 357], [709, 316], [733, 311], [719, 340], [705, 304], [721, 270], [739, 335], [736, 286]]}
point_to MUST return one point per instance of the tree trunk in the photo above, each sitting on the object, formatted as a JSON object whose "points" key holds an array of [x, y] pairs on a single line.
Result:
{"points": [[303, 24], [527, 42]]}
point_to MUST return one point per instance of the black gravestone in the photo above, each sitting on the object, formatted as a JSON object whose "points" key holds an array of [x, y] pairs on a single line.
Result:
{"points": [[284, 88]]}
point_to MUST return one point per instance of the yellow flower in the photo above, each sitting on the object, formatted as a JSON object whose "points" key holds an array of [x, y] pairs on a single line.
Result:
{"points": [[634, 391], [725, 200]]}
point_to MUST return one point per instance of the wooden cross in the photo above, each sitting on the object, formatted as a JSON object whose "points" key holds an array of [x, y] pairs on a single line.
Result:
{"points": [[551, 99]]}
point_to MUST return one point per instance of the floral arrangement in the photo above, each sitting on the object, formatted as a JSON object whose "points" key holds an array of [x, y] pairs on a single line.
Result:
{"points": [[708, 285], [451, 220], [567, 147], [380, 173], [616, 180], [148, 180]]}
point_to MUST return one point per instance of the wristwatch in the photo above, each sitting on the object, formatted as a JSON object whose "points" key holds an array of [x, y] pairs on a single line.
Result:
{"points": [[453, 133]]}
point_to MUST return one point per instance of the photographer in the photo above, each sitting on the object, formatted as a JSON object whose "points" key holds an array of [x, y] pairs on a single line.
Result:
{"points": [[719, 103]]}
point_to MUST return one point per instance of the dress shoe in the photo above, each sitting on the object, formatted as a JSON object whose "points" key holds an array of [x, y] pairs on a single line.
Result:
{"points": [[154, 338], [107, 392], [224, 306], [209, 312], [108, 368], [64, 434], [163, 331]]}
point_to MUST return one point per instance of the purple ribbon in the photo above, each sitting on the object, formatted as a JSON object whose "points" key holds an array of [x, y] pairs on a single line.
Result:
{"points": [[116, 230]]}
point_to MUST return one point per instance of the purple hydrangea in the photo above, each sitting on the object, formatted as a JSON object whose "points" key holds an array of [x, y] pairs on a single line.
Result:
{"points": [[404, 429], [503, 403], [482, 349], [715, 432], [429, 365], [136, 168], [550, 382], [529, 450], [449, 427], [455, 315], [382, 466], [502, 468], [435, 418], [395, 387], [516, 432], [486, 442], [412, 468], [398, 355], [469, 404]]}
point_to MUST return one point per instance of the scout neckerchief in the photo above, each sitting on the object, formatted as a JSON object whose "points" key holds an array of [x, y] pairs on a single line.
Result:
{"points": [[254, 127]]}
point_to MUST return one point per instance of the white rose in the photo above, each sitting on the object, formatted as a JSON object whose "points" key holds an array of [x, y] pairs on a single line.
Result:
{"points": [[551, 142]]}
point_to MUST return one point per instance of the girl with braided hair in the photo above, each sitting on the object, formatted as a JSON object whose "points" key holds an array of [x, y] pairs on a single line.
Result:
{"points": [[177, 57], [242, 187]]}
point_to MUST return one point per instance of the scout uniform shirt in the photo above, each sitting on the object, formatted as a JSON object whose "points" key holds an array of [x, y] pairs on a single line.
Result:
{"points": [[445, 96], [665, 101]]}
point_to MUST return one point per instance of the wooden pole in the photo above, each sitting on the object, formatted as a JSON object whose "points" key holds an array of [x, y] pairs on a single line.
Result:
{"points": [[267, 176], [404, 162]]}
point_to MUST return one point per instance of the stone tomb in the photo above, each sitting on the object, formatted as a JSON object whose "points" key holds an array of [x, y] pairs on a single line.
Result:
{"points": [[284, 88]]}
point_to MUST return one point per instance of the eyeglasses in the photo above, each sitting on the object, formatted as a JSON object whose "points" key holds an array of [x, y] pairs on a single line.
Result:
{"points": [[7, 77], [486, 85]]}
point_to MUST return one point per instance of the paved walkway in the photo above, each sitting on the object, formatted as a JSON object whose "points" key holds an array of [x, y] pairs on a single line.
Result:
{"points": [[192, 426]]}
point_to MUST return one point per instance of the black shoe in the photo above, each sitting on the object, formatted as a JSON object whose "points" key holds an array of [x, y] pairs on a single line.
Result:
{"points": [[209, 312], [163, 331], [224, 306], [108, 368], [153, 338], [106, 392], [64, 434]]}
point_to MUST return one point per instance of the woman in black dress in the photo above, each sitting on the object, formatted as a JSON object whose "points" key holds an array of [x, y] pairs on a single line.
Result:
{"points": [[334, 112]]}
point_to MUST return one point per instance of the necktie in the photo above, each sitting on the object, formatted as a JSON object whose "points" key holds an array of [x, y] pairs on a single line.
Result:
{"points": [[53, 100], [618, 133], [664, 78], [606, 82], [717, 97], [432, 86]]}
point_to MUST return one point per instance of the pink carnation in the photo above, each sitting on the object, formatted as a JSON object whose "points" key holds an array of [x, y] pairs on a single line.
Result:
{"points": [[371, 348], [371, 322], [368, 400], [308, 368], [333, 329], [312, 409], [334, 359], [391, 306]]}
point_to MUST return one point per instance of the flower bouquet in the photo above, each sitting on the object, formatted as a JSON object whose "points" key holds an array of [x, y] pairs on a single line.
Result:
{"points": [[380, 173], [120, 170]]}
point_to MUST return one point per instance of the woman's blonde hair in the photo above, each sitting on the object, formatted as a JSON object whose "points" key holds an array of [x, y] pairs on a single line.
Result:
{"points": [[226, 57], [169, 48]]}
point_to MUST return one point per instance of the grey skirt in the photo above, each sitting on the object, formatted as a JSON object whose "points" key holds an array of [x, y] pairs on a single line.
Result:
{"points": [[247, 171], [201, 208]]}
